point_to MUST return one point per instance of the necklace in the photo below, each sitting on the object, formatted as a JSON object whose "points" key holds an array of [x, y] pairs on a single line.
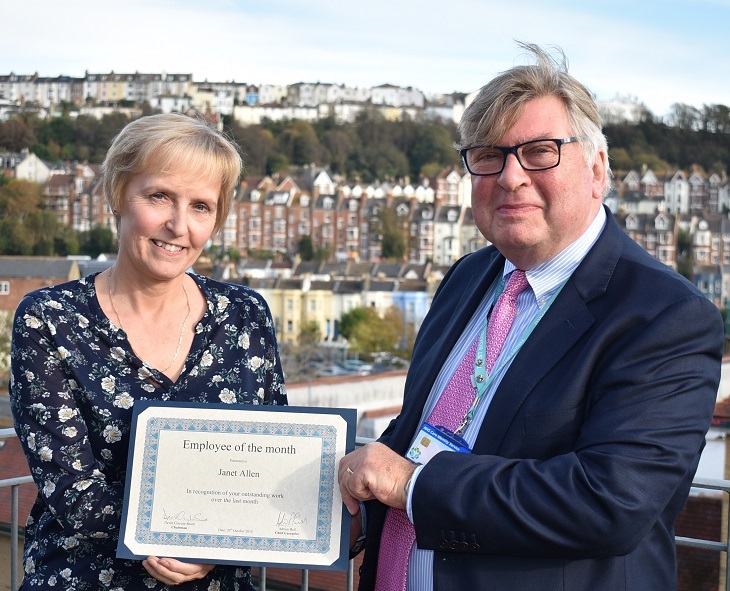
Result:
{"points": [[182, 330]]}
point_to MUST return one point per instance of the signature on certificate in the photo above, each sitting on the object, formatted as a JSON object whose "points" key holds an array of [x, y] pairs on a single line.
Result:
{"points": [[183, 516], [289, 519]]}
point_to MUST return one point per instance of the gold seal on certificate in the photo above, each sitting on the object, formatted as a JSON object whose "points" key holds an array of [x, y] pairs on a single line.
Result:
{"points": [[237, 485]]}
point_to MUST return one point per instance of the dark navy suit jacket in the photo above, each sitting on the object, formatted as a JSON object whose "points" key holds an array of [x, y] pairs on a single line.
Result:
{"points": [[590, 444]]}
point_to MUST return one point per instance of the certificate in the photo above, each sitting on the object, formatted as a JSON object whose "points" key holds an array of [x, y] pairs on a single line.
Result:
{"points": [[252, 485]]}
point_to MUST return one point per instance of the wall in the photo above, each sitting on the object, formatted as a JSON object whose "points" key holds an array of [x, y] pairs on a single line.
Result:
{"points": [[364, 393]]}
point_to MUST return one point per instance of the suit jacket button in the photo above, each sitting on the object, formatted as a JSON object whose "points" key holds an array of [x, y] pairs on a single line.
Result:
{"points": [[474, 547], [464, 546], [453, 545]]}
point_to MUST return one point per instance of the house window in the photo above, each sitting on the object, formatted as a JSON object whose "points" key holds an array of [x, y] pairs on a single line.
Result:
{"points": [[4, 288]]}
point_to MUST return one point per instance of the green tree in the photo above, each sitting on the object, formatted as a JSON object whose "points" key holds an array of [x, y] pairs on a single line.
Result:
{"points": [[6, 324], [19, 198], [383, 161], [257, 146], [377, 334], [310, 334], [305, 248], [109, 126], [395, 238], [44, 228], [300, 144], [341, 147], [620, 160], [684, 255], [433, 143], [16, 135], [59, 130], [14, 240], [349, 320], [96, 241], [684, 117]]}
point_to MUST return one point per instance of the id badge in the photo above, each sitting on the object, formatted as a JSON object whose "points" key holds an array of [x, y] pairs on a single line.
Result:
{"points": [[431, 440]]}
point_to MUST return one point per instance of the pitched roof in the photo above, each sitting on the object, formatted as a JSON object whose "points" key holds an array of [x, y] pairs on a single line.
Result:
{"points": [[38, 267], [94, 266]]}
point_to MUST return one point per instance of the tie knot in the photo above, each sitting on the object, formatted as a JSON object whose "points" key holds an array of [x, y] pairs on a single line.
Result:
{"points": [[516, 283]]}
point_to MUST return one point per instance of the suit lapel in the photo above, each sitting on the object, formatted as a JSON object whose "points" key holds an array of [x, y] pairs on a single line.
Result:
{"points": [[556, 334], [451, 315], [553, 338]]}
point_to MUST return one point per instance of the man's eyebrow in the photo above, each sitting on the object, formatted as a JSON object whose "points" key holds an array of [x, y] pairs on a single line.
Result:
{"points": [[534, 138]]}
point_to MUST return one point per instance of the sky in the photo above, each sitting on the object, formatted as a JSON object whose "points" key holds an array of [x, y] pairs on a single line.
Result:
{"points": [[657, 52]]}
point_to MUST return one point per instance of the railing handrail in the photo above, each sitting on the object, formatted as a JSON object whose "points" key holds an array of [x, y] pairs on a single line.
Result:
{"points": [[14, 483]]}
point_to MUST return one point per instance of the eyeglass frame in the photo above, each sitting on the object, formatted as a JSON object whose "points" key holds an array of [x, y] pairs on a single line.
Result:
{"points": [[507, 150]]}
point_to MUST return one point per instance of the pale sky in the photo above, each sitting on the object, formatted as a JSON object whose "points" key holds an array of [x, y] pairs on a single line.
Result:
{"points": [[660, 52]]}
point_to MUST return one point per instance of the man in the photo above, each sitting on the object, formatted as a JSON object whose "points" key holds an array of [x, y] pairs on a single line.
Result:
{"points": [[575, 450]]}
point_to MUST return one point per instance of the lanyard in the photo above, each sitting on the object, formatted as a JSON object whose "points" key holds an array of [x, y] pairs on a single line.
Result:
{"points": [[480, 380]]}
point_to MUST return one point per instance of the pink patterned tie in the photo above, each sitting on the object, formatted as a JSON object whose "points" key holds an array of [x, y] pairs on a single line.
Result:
{"points": [[398, 534], [503, 315]]}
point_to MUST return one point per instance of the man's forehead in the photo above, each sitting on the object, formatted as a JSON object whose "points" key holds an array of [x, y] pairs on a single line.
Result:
{"points": [[539, 118]]}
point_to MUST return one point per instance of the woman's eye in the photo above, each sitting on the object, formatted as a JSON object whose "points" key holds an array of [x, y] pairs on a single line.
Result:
{"points": [[157, 196]]}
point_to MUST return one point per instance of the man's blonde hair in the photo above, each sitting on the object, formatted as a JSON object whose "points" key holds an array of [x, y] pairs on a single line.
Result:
{"points": [[500, 102]]}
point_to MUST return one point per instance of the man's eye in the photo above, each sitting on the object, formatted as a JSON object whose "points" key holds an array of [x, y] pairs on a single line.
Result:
{"points": [[538, 149], [486, 155]]}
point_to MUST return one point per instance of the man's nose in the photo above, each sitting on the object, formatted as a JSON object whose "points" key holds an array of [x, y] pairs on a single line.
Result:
{"points": [[512, 175]]}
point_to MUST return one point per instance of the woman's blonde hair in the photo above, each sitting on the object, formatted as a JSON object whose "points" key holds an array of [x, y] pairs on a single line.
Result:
{"points": [[500, 102], [171, 141]]}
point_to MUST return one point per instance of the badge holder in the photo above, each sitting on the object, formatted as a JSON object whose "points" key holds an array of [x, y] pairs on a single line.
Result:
{"points": [[432, 440]]}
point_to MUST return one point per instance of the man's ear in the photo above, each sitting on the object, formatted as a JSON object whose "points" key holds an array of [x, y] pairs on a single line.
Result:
{"points": [[600, 174]]}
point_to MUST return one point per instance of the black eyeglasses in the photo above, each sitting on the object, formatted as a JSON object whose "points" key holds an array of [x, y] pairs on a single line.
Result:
{"points": [[533, 155]]}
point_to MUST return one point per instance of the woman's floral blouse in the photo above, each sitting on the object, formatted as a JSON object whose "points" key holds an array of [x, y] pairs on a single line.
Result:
{"points": [[74, 382]]}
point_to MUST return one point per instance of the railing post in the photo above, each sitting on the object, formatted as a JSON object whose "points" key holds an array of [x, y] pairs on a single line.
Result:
{"points": [[350, 575], [725, 573], [14, 534], [262, 578]]}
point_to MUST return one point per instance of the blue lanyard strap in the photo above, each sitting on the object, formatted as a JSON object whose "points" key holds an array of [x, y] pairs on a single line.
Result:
{"points": [[480, 380]]}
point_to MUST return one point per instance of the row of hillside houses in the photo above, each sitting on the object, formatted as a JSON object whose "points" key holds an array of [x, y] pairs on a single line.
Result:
{"points": [[248, 103], [117, 87], [275, 214], [97, 94], [347, 222], [678, 192]]}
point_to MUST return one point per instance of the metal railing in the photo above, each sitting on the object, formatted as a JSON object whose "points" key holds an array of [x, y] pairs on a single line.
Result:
{"points": [[15, 483]]}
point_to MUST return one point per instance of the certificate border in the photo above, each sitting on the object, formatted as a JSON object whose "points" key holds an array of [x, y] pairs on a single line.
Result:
{"points": [[246, 425]]}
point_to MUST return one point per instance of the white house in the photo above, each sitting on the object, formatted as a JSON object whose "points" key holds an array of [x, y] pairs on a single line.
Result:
{"points": [[32, 168]]}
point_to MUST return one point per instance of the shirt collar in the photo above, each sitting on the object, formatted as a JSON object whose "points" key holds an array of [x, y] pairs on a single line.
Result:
{"points": [[547, 277]]}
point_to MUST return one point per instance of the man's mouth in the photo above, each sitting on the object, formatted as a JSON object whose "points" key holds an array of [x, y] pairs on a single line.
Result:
{"points": [[167, 247]]}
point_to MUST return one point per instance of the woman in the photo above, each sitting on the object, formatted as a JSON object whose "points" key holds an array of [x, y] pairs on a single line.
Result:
{"points": [[84, 351]]}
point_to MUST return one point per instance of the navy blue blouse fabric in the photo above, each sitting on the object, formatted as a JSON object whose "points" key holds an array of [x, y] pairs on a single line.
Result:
{"points": [[74, 382]]}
